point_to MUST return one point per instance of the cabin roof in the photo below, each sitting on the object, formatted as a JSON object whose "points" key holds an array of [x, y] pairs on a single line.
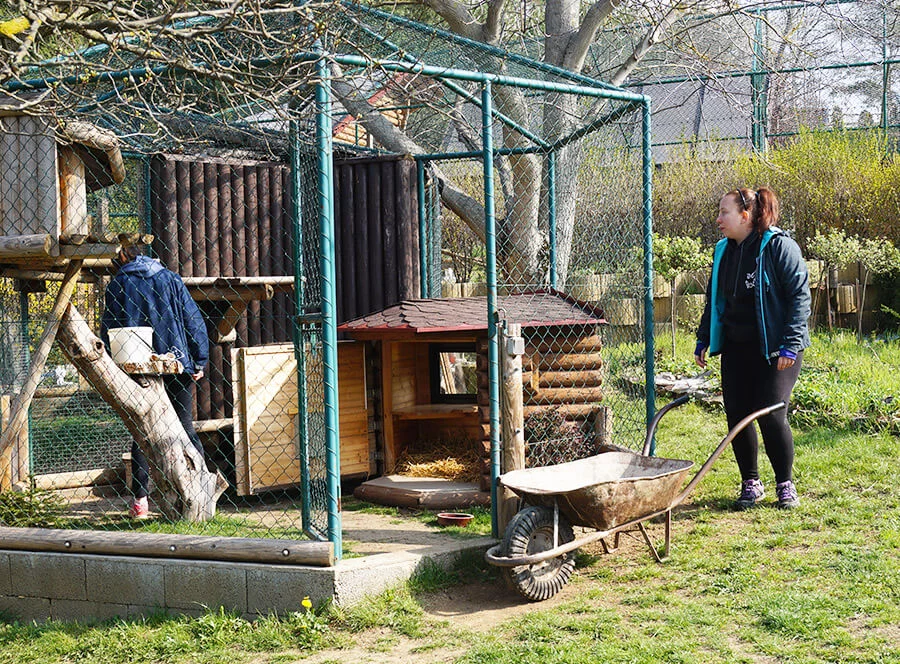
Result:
{"points": [[545, 308]]}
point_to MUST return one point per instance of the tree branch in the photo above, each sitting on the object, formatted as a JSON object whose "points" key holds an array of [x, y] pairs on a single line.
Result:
{"points": [[580, 42], [649, 40], [490, 31], [392, 139], [458, 17]]}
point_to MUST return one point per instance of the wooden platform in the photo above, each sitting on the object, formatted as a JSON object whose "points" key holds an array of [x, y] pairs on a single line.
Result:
{"points": [[422, 492]]}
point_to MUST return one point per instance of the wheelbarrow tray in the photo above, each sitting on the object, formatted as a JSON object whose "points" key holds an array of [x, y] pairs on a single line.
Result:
{"points": [[602, 491]]}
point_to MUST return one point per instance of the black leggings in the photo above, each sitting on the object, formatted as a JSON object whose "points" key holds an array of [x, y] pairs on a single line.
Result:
{"points": [[748, 384], [178, 387]]}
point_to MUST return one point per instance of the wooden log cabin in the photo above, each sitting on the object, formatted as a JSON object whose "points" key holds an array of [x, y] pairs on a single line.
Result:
{"points": [[418, 348]]}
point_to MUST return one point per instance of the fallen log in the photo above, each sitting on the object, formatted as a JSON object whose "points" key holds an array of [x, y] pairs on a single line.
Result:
{"points": [[188, 490]]}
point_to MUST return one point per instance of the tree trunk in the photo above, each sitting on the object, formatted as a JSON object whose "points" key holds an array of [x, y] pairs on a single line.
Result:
{"points": [[188, 490]]}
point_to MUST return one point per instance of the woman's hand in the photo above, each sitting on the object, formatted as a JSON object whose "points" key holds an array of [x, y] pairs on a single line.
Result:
{"points": [[785, 363], [700, 359]]}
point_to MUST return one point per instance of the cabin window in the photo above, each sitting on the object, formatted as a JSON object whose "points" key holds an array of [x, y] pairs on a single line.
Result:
{"points": [[454, 377]]}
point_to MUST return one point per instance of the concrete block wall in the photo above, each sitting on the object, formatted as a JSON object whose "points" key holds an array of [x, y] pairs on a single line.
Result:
{"points": [[73, 586]]}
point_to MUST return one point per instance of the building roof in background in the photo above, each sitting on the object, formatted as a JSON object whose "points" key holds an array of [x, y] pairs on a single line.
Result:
{"points": [[544, 308]]}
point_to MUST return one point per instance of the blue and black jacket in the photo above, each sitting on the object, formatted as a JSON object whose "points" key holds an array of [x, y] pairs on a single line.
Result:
{"points": [[145, 294], [782, 301]]}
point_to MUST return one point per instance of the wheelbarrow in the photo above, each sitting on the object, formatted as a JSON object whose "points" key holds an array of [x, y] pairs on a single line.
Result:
{"points": [[611, 493]]}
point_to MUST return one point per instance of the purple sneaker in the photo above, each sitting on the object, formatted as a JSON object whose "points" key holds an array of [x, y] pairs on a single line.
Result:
{"points": [[752, 491], [787, 495]]}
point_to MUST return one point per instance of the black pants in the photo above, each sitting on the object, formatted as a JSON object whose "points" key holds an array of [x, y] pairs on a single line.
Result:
{"points": [[748, 384], [178, 387]]}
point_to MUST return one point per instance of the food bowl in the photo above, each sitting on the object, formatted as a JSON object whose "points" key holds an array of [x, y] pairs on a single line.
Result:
{"points": [[454, 519]]}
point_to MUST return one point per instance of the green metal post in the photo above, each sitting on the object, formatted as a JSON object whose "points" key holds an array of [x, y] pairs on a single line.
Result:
{"points": [[329, 322], [758, 89], [148, 197], [650, 368], [490, 238], [424, 288], [26, 345], [297, 331], [551, 213], [885, 78]]}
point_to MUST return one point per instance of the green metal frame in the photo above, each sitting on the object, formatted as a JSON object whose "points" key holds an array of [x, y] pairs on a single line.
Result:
{"points": [[576, 85], [329, 313]]}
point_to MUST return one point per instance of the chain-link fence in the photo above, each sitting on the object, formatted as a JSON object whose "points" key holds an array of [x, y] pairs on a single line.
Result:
{"points": [[211, 229], [756, 77]]}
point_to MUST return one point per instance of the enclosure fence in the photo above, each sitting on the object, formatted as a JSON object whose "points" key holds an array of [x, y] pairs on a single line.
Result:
{"points": [[233, 235]]}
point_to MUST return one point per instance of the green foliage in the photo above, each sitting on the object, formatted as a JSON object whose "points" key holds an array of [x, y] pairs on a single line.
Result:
{"points": [[32, 508], [825, 180], [841, 180], [835, 248], [675, 255], [846, 385], [395, 609], [687, 189], [879, 256]]}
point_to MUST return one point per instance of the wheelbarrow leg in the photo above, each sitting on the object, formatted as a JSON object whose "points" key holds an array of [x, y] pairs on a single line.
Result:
{"points": [[668, 533], [649, 542], [615, 547]]}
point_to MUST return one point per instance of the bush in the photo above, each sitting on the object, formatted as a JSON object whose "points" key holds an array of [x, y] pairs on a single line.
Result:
{"points": [[840, 180]]}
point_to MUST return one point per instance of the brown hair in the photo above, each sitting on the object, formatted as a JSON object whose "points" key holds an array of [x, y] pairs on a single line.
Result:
{"points": [[762, 205]]}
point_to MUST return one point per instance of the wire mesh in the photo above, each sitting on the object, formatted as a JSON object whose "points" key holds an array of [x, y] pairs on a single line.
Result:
{"points": [[229, 273]]}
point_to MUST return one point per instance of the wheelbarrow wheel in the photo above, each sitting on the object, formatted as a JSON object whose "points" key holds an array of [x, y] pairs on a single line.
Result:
{"points": [[530, 532]]}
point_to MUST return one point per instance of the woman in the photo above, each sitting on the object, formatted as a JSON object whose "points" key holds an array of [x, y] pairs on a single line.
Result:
{"points": [[757, 306], [144, 293]]}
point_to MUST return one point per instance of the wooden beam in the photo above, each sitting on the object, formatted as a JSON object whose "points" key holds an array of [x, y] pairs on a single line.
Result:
{"points": [[564, 395], [578, 411], [78, 478], [19, 407], [387, 407], [208, 426], [238, 549], [232, 293], [42, 275], [89, 249], [40, 245]]}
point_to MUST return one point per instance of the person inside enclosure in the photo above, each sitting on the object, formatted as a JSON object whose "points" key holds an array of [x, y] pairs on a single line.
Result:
{"points": [[757, 307], [145, 294]]}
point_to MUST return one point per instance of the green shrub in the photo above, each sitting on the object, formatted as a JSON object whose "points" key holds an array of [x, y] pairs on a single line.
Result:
{"points": [[32, 508]]}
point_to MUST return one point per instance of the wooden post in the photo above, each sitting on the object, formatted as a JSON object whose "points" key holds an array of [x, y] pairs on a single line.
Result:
{"points": [[387, 406], [603, 427], [512, 419], [72, 193], [19, 408]]}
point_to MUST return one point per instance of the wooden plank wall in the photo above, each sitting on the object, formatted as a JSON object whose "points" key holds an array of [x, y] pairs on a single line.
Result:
{"points": [[217, 217], [29, 185], [265, 416]]}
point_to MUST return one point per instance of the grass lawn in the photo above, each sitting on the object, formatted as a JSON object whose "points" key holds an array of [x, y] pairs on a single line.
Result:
{"points": [[818, 584]]}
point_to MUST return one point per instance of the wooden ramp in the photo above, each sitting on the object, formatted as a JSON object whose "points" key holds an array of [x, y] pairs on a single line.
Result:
{"points": [[423, 492]]}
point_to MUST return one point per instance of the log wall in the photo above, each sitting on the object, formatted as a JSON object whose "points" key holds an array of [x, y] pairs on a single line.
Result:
{"points": [[226, 218]]}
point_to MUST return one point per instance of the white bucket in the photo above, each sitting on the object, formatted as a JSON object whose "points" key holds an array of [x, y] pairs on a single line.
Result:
{"points": [[130, 344]]}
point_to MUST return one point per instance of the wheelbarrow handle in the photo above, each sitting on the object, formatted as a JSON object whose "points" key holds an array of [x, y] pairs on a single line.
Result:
{"points": [[651, 430], [735, 430]]}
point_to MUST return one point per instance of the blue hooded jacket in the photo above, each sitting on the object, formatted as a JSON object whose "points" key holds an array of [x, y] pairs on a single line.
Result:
{"points": [[145, 294], [782, 300]]}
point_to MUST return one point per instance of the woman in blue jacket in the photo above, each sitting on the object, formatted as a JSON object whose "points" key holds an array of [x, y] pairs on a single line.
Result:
{"points": [[145, 294], [757, 307]]}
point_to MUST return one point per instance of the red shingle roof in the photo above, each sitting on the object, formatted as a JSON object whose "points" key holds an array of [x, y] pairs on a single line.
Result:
{"points": [[537, 309]]}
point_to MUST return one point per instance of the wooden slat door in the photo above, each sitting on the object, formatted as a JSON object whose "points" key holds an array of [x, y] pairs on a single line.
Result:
{"points": [[266, 415]]}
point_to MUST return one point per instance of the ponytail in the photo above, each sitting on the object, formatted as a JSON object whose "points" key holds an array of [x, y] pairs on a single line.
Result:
{"points": [[762, 205]]}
